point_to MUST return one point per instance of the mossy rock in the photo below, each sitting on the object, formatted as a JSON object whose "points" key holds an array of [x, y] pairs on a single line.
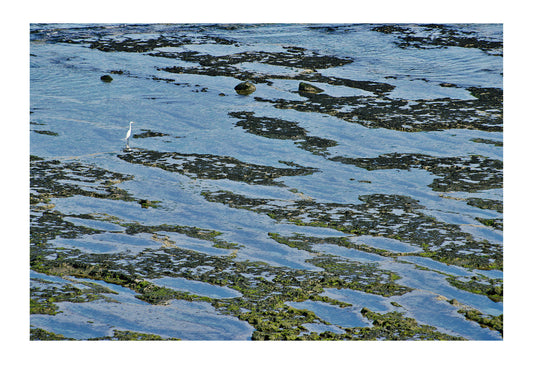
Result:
{"points": [[106, 78], [308, 88], [245, 88]]}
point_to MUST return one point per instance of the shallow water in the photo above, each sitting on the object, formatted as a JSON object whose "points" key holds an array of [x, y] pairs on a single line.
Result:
{"points": [[380, 168]]}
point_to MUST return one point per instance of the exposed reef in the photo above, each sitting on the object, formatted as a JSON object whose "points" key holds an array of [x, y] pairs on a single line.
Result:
{"points": [[470, 174], [483, 113], [391, 216], [438, 36], [207, 166], [275, 128]]}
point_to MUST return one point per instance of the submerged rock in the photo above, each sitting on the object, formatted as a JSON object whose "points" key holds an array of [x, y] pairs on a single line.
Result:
{"points": [[245, 88], [308, 88], [106, 78]]}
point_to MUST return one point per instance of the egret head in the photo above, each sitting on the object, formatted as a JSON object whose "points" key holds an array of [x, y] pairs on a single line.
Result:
{"points": [[131, 123]]}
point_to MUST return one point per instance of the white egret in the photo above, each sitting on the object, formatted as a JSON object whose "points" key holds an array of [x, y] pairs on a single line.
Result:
{"points": [[128, 134]]}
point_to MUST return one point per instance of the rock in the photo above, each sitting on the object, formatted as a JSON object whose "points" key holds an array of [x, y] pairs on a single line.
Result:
{"points": [[144, 203], [245, 88], [308, 88], [454, 302], [106, 78]]}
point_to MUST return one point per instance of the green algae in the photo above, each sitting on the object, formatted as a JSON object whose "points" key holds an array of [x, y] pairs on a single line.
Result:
{"points": [[492, 204], [487, 141], [353, 275], [493, 223], [109, 272], [53, 178], [132, 335], [41, 334], [308, 88], [149, 203], [264, 288], [395, 326], [297, 58], [297, 241], [388, 326], [48, 225], [308, 243], [57, 179], [43, 306], [43, 298], [478, 284], [156, 295], [190, 231], [285, 324], [484, 320]]}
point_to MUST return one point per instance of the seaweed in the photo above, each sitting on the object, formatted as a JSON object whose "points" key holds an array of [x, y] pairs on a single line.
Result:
{"points": [[478, 284], [41, 334], [53, 178], [484, 320], [44, 295], [132, 335]]}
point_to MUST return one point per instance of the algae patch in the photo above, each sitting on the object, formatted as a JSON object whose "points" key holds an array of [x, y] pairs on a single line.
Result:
{"points": [[44, 294]]}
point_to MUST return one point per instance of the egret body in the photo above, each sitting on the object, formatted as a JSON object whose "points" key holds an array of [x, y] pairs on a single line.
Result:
{"points": [[128, 134]]}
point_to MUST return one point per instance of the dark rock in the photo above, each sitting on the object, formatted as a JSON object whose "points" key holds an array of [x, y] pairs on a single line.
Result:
{"points": [[365, 311], [144, 203], [106, 78], [245, 88], [308, 88]]}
